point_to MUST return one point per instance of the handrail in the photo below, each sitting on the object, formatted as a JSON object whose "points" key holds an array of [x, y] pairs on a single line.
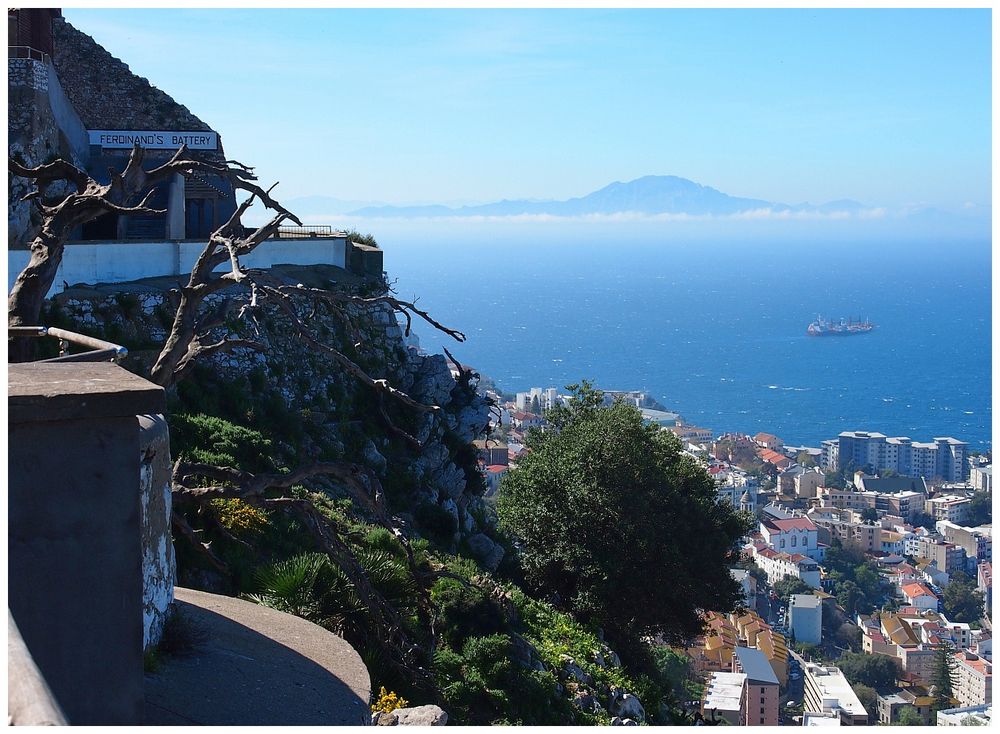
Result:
{"points": [[308, 230], [100, 350], [29, 700], [27, 52]]}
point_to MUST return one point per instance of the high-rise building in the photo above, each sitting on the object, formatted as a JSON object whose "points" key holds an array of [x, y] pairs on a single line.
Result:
{"points": [[945, 457]]}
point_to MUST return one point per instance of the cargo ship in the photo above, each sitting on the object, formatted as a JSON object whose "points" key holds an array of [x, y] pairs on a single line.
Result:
{"points": [[822, 327]]}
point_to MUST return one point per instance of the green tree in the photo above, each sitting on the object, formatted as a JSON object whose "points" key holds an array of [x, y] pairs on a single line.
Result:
{"points": [[908, 716], [942, 678], [868, 698], [922, 519], [804, 458], [869, 514], [615, 520], [535, 406], [962, 601], [791, 585], [876, 671], [849, 596], [675, 670], [980, 509]]}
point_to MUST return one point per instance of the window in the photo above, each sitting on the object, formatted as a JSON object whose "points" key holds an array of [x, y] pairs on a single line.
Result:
{"points": [[782, 543], [795, 541]]}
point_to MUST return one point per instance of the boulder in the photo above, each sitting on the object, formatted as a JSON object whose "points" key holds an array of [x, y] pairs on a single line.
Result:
{"points": [[428, 715], [571, 670], [486, 551], [627, 706]]}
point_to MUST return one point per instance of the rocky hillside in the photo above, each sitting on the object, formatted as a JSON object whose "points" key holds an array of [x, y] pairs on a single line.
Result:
{"points": [[476, 644]]}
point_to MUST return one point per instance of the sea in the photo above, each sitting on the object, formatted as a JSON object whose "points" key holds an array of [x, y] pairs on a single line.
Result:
{"points": [[716, 329]]}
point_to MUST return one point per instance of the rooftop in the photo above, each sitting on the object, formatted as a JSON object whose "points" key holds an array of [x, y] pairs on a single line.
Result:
{"points": [[754, 663], [791, 523], [831, 683], [806, 601], [724, 691]]}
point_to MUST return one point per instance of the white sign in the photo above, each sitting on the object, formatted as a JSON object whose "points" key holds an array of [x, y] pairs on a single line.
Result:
{"points": [[155, 139]]}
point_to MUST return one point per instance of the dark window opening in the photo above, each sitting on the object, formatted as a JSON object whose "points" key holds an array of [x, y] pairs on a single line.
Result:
{"points": [[199, 218], [105, 227]]}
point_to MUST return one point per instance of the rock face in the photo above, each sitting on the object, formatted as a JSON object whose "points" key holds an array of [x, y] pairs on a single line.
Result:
{"points": [[442, 471], [416, 716], [486, 551]]}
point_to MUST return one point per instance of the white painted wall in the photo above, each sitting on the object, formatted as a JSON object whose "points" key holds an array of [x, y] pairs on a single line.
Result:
{"points": [[120, 262]]}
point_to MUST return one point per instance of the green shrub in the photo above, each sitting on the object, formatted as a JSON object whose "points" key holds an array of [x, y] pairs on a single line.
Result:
{"points": [[435, 522], [211, 440], [463, 611]]}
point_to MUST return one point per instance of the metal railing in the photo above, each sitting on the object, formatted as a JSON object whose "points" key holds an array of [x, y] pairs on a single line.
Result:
{"points": [[27, 52], [100, 350], [309, 230], [29, 700]]}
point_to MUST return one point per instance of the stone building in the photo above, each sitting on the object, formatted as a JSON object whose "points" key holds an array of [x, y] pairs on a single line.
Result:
{"points": [[70, 98]]}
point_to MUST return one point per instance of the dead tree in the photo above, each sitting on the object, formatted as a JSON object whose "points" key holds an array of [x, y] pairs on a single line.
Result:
{"points": [[127, 193], [191, 338]]}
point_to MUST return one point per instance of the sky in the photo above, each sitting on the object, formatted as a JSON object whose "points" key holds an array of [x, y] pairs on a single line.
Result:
{"points": [[889, 108]]}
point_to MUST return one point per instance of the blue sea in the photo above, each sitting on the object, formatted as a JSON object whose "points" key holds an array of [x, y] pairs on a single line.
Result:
{"points": [[716, 330]]}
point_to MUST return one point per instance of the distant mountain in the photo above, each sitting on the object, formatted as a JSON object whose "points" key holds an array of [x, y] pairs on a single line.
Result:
{"points": [[646, 195], [311, 206]]}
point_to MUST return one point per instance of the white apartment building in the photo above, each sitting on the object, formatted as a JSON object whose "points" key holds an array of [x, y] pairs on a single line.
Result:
{"points": [[792, 535], [806, 618], [973, 679], [778, 565], [966, 716], [547, 398], [944, 457], [948, 507], [981, 478], [827, 691], [723, 696]]}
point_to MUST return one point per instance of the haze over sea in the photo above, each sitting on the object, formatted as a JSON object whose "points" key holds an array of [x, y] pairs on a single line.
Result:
{"points": [[716, 329]]}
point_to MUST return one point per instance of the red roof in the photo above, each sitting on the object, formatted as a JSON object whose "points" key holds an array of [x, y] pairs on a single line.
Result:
{"points": [[496, 468], [791, 523]]}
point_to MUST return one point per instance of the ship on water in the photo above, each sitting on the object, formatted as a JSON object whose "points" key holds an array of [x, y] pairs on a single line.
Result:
{"points": [[822, 327]]}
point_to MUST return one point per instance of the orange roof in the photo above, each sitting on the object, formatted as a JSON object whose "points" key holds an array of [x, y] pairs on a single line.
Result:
{"points": [[915, 589]]}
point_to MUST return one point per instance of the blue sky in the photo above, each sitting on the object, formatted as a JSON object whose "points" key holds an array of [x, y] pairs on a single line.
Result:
{"points": [[891, 108]]}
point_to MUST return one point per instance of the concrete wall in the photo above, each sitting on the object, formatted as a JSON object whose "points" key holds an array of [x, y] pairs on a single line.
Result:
{"points": [[65, 116], [159, 571], [75, 582], [121, 262]]}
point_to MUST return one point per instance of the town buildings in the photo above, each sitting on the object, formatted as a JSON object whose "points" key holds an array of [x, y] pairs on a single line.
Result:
{"points": [[827, 691]]}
